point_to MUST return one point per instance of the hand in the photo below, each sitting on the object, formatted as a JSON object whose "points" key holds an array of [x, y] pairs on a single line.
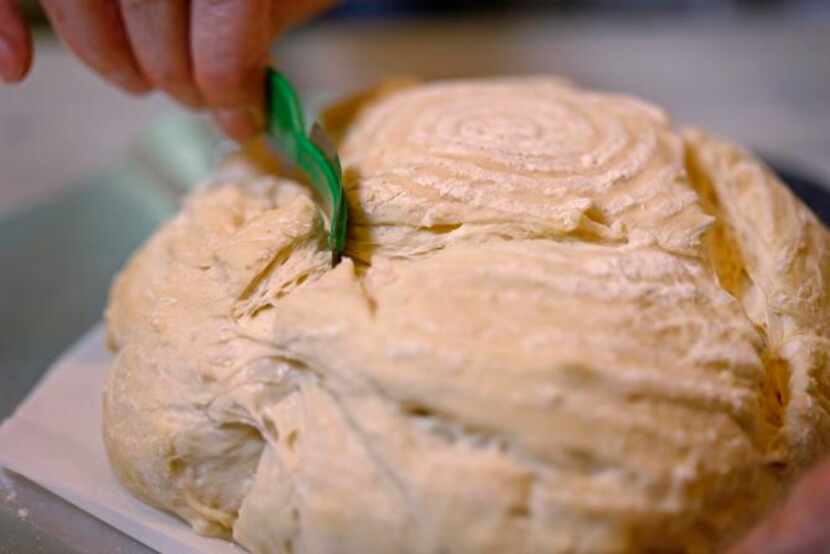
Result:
{"points": [[801, 525], [207, 54]]}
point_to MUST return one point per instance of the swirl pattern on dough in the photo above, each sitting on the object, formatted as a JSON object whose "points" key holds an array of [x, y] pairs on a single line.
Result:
{"points": [[540, 159]]}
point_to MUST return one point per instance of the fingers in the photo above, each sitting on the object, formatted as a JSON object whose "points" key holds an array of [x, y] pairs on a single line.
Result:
{"points": [[801, 525], [93, 29], [159, 32], [230, 42], [15, 43], [210, 53]]}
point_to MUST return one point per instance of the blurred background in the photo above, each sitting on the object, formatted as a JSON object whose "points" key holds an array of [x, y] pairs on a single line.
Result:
{"points": [[86, 172]]}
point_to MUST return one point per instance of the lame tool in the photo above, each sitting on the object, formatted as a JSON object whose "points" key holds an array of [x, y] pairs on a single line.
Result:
{"points": [[311, 151]]}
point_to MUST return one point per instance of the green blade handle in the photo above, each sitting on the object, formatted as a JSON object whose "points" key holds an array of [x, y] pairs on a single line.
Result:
{"points": [[287, 133]]}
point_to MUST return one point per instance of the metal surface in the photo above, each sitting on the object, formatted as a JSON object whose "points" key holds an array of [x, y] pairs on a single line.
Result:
{"points": [[35, 521]]}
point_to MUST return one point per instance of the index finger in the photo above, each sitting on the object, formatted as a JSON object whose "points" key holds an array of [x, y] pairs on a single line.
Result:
{"points": [[15, 43], [800, 524], [230, 40], [93, 29]]}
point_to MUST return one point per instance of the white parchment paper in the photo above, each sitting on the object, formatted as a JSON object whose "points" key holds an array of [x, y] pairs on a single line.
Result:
{"points": [[54, 439]]}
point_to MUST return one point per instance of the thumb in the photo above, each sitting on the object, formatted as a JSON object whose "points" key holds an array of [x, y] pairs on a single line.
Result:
{"points": [[15, 43], [800, 526]]}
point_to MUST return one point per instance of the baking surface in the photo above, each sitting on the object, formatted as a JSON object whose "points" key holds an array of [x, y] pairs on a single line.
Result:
{"points": [[54, 440]]}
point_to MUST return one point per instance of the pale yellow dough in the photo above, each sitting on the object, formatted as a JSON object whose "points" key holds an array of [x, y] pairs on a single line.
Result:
{"points": [[562, 327]]}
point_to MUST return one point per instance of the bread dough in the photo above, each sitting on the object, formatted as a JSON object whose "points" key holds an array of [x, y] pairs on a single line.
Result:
{"points": [[562, 327]]}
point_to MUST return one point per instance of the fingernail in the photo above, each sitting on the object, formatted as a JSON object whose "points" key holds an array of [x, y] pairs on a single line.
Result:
{"points": [[9, 66]]}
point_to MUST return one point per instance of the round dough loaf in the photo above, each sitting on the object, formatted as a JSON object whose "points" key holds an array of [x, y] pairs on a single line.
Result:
{"points": [[562, 327]]}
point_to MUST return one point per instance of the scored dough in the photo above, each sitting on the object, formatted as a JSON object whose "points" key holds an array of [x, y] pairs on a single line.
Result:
{"points": [[562, 327]]}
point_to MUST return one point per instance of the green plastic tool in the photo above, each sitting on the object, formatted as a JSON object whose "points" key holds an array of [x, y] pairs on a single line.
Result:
{"points": [[311, 151]]}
